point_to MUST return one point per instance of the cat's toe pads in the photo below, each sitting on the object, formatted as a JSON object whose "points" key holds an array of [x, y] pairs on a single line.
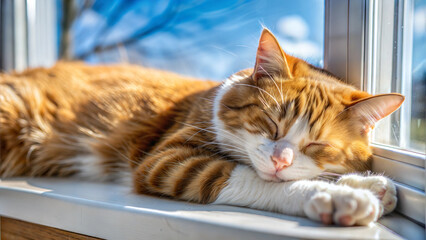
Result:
{"points": [[320, 208], [382, 187], [346, 208]]}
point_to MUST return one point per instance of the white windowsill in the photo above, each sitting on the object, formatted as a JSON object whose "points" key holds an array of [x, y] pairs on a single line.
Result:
{"points": [[110, 211]]}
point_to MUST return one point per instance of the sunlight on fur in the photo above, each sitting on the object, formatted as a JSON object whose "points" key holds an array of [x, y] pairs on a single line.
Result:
{"points": [[258, 139]]}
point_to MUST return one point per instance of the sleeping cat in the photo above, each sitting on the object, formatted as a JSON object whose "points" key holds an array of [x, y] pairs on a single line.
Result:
{"points": [[256, 140]]}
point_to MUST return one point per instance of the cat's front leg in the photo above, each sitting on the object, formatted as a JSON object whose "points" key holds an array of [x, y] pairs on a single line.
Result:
{"points": [[317, 200], [381, 186]]}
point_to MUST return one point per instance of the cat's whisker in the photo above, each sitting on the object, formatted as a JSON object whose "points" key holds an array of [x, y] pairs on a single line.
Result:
{"points": [[328, 176], [203, 129], [217, 153], [322, 179], [203, 122], [260, 89], [237, 155], [227, 132], [122, 155], [227, 150], [331, 174], [231, 53], [233, 148], [325, 177], [274, 81], [264, 102], [187, 140], [225, 144]]}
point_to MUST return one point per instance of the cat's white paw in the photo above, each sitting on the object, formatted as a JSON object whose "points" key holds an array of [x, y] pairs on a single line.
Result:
{"points": [[344, 206], [382, 187]]}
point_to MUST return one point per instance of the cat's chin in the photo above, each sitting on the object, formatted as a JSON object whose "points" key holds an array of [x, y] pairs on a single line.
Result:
{"points": [[275, 179], [269, 177]]}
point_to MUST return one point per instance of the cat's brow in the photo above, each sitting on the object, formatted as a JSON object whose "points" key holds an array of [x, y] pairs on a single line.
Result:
{"points": [[280, 90], [260, 89]]}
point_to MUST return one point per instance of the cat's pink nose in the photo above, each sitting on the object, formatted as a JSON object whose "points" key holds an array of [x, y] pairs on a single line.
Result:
{"points": [[282, 157]]}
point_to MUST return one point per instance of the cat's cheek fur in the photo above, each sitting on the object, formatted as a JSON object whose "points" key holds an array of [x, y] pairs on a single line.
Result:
{"points": [[223, 135], [303, 167], [259, 150]]}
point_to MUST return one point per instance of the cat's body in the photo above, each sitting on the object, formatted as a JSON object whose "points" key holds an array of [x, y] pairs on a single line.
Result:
{"points": [[78, 111], [239, 143]]}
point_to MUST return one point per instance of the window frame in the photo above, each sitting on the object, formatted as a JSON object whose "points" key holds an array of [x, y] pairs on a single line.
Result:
{"points": [[349, 49], [29, 34]]}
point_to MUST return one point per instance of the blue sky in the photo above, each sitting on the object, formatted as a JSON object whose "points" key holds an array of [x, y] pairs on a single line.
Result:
{"points": [[207, 39]]}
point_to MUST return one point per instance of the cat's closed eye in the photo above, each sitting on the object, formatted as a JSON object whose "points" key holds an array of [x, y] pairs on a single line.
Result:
{"points": [[322, 151], [313, 144], [273, 126], [314, 147], [273, 129], [269, 127]]}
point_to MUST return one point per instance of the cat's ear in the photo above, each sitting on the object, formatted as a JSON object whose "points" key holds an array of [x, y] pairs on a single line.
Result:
{"points": [[369, 111], [270, 58]]}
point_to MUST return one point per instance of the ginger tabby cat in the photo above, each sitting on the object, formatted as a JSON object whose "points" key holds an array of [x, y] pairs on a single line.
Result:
{"points": [[257, 140]]}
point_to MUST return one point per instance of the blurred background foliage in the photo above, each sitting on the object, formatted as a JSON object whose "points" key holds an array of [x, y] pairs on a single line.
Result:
{"points": [[200, 38]]}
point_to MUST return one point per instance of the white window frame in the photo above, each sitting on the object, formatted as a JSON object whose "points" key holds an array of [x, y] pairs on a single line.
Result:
{"points": [[350, 44], [29, 34]]}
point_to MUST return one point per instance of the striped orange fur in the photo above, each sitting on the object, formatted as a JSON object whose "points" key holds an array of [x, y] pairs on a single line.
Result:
{"points": [[175, 135]]}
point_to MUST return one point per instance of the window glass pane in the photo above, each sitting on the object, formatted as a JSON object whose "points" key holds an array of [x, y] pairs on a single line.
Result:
{"points": [[208, 39], [418, 100], [400, 66]]}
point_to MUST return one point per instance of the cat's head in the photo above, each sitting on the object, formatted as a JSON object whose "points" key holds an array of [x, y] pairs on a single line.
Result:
{"points": [[290, 120]]}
